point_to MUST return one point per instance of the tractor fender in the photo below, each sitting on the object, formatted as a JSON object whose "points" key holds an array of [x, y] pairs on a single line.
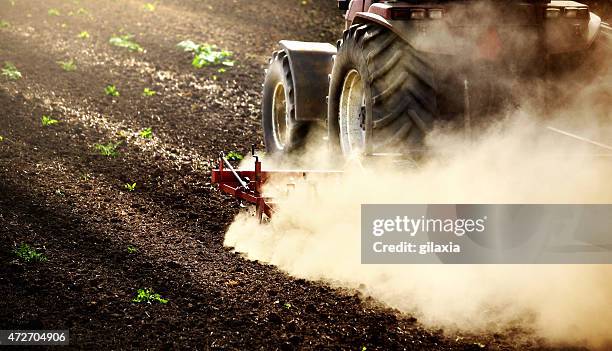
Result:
{"points": [[424, 36], [310, 64], [594, 28]]}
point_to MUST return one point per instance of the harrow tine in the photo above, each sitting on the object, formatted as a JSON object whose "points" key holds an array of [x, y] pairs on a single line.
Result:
{"points": [[244, 184]]}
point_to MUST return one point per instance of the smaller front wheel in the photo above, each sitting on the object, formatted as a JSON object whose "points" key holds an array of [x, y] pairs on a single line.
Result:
{"points": [[282, 133]]}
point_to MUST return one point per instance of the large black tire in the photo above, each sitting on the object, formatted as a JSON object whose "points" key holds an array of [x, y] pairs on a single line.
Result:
{"points": [[399, 90], [279, 81]]}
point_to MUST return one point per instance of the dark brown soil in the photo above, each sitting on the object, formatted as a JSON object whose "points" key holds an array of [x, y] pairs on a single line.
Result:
{"points": [[63, 198]]}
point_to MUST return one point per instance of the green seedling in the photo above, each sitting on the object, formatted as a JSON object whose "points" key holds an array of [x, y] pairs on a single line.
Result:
{"points": [[1, 138], [27, 254], [53, 12], [10, 71], [130, 187], [287, 305], [108, 150], [68, 66], [48, 121], [148, 296], [82, 11], [221, 70], [206, 54], [148, 92], [146, 133], [111, 90], [234, 156], [131, 249], [125, 41], [4, 24], [149, 7], [83, 35]]}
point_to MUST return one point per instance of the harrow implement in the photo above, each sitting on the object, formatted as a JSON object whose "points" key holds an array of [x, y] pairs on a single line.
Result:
{"points": [[247, 185]]}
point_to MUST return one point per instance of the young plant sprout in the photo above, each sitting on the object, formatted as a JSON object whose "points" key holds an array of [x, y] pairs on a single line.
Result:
{"points": [[148, 296], [206, 54], [108, 150], [10, 71], [28, 254], [111, 90], [148, 92], [146, 133], [48, 121], [126, 41], [68, 66], [234, 156]]}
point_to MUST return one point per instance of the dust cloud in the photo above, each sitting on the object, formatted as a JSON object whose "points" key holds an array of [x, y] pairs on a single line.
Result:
{"points": [[315, 233]]}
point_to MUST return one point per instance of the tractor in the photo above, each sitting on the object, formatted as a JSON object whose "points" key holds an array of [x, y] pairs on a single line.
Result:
{"points": [[403, 67]]}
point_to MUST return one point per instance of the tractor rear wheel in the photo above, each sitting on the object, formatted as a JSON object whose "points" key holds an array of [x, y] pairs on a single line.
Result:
{"points": [[382, 96], [282, 133]]}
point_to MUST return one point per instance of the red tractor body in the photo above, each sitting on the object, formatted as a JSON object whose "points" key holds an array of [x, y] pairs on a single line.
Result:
{"points": [[458, 27]]}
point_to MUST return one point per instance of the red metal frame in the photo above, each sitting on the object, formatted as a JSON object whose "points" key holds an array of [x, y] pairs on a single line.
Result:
{"points": [[246, 185]]}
